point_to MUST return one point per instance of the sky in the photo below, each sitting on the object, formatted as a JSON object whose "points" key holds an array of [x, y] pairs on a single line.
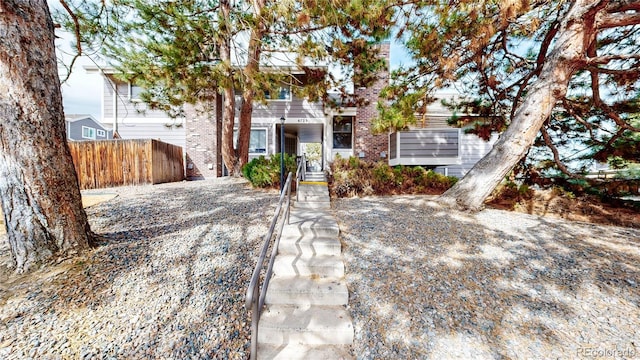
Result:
{"points": [[82, 92]]}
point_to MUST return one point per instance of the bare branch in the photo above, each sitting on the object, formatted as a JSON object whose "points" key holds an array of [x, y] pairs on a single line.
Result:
{"points": [[607, 21], [607, 71], [623, 5], [76, 29], [556, 156], [601, 60]]}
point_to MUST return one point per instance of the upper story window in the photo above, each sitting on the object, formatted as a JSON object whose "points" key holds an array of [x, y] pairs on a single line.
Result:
{"points": [[134, 92], [88, 133], [281, 93], [342, 132]]}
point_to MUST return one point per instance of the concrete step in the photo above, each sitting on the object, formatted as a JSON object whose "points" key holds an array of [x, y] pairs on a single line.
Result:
{"points": [[319, 228], [314, 198], [311, 325], [308, 265], [302, 290], [304, 352], [311, 214], [309, 245], [312, 205]]}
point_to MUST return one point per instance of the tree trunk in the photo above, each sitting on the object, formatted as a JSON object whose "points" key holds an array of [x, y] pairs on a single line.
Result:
{"points": [[250, 71], [228, 117], [38, 185], [568, 55]]}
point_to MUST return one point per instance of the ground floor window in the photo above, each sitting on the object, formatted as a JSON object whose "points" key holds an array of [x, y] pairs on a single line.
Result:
{"points": [[342, 132], [257, 141], [88, 132]]}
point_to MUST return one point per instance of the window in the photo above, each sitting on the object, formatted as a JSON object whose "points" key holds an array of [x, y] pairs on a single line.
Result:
{"points": [[282, 93], [134, 92], [88, 132], [342, 132], [257, 141], [100, 133]]}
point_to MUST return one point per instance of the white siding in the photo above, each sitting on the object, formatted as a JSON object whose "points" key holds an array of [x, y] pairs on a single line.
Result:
{"points": [[472, 149], [145, 129]]}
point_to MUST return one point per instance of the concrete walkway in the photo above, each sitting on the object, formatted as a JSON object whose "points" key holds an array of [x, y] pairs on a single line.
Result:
{"points": [[306, 317]]}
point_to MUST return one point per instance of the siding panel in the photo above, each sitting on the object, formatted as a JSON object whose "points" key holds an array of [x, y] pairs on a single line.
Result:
{"points": [[472, 149], [296, 108]]}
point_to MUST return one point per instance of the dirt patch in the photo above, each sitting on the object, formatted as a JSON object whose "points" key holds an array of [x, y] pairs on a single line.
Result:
{"points": [[586, 208]]}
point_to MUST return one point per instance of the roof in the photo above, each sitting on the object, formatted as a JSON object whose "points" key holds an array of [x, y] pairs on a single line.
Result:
{"points": [[76, 117]]}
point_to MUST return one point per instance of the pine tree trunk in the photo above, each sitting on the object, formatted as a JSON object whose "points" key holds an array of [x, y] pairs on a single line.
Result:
{"points": [[38, 185], [250, 71], [228, 117], [575, 34]]}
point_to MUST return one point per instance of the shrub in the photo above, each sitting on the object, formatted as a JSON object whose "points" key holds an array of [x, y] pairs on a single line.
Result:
{"points": [[354, 177], [265, 172]]}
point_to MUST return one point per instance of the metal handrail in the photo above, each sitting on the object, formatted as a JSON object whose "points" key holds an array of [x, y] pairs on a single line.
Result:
{"points": [[256, 293], [300, 173]]}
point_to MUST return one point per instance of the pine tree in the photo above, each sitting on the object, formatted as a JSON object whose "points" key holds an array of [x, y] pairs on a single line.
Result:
{"points": [[539, 69], [39, 190]]}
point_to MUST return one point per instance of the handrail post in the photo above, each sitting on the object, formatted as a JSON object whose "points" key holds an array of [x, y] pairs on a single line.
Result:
{"points": [[254, 325]]}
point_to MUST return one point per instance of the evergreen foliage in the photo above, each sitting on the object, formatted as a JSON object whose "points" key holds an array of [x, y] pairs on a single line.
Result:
{"points": [[264, 172]]}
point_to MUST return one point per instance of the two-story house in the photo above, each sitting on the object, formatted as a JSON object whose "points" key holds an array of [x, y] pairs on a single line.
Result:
{"points": [[344, 130]]}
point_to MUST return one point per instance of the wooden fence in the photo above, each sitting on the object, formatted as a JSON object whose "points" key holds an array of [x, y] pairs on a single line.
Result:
{"points": [[106, 163]]}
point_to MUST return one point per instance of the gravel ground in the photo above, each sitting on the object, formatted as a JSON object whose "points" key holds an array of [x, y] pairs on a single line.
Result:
{"points": [[428, 283], [168, 282]]}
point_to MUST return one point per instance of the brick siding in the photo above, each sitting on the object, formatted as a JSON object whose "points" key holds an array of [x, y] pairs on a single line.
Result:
{"points": [[372, 146], [203, 143]]}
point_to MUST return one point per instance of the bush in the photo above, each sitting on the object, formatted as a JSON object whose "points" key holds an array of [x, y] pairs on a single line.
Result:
{"points": [[264, 172], [354, 177]]}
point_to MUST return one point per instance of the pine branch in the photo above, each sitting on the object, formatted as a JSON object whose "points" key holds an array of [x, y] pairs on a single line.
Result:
{"points": [[623, 6], [556, 156], [608, 21], [601, 60]]}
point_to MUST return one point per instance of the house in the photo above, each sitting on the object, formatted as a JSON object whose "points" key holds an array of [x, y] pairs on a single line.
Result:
{"points": [[85, 127], [343, 131], [131, 118], [433, 143]]}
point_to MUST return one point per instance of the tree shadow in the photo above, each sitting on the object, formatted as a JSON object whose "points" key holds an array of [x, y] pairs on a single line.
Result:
{"points": [[430, 283], [168, 279]]}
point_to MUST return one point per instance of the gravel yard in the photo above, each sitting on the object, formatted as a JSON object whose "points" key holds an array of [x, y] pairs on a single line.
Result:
{"points": [[168, 282], [170, 278], [431, 283]]}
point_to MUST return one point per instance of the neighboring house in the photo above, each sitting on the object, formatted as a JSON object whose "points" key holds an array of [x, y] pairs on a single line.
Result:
{"points": [[344, 131], [129, 117], [433, 143], [85, 127]]}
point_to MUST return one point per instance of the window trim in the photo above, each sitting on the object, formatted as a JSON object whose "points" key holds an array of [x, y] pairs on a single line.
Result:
{"points": [[266, 140], [334, 132], [285, 99], [130, 92], [90, 130], [101, 133]]}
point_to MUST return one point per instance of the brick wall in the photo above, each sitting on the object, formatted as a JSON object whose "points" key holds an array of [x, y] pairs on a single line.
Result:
{"points": [[203, 145], [372, 146]]}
